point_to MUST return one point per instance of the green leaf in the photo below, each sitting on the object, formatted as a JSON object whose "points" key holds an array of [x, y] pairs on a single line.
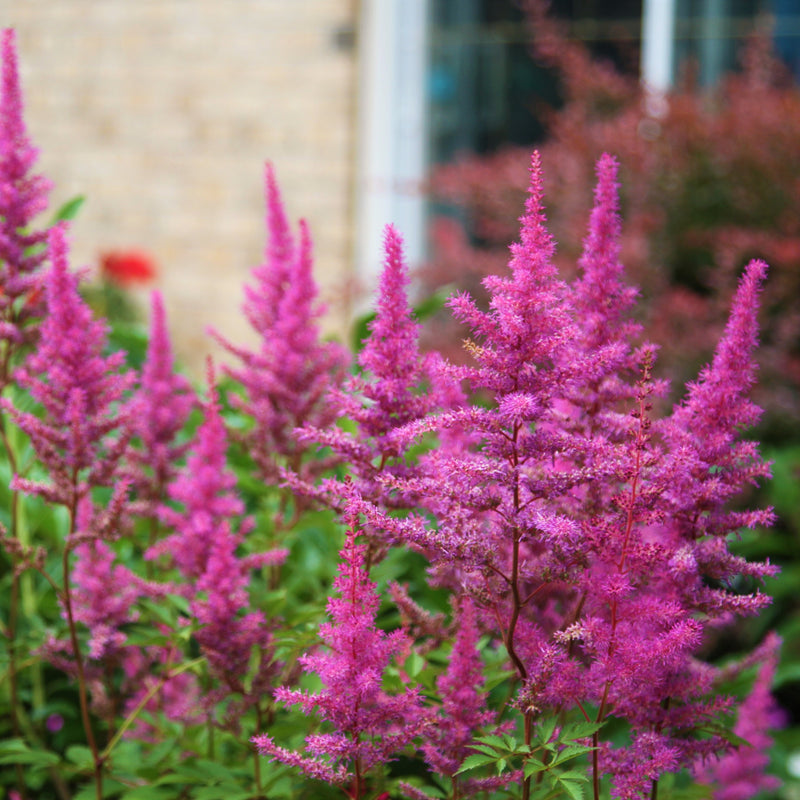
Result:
{"points": [[545, 728], [80, 755], [501, 765], [572, 788], [573, 775], [532, 766], [414, 664], [485, 748], [494, 741], [569, 752], [221, 792], [470, 762], [579, 730], [15, 751], [510, 742], [69, 210]]}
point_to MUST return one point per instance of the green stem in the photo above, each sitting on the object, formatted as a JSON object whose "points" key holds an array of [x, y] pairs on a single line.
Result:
{"points": [[83, 694], [129, 720]]}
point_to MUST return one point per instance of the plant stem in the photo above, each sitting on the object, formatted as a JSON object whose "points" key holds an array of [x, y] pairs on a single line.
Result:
{"points": [[76, 651]]}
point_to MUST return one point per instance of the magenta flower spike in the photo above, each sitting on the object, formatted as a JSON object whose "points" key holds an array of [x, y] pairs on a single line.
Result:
{"points": [[228, 636], [601, 298], [369, 726], [161, 407], [391, 353], [206, 489], [22, 194], [273, 276], [104, 598], [285, 381], [741, 773], [593, 535], [463, 714], [80, 390], [396, 387]]}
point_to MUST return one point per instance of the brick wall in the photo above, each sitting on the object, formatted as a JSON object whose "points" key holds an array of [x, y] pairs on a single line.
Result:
{"points": [[163, 112]]}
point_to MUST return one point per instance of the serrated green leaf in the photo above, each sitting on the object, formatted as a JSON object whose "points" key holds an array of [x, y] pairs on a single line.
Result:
{"points": [[572, 788], [532, 766], [485, 748], [500, 765], [573, 775], [510, 742], [569, 752], [471, 762], [545, 728], [578, 730], [494, 741]]}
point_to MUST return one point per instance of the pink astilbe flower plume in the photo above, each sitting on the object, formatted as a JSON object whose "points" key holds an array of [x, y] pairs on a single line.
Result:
{"points": [[369, 726], [206, 490], [285, 380], [204, 550], [23, 195], [81, 393], [741, 773], [161, 407], [396, 386], [463, 714]]}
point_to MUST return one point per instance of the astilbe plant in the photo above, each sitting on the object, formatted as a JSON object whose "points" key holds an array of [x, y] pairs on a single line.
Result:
{"points": [[369, 726], [79, 437], [581, 537], [162, 403], [593, 537]]}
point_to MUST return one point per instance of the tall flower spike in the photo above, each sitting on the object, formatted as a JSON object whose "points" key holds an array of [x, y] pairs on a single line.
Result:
{"points": [[369, 725], [712, 463], [396, 386], [601, 299], [741, 773], [206, 489], [463, 714], [286, 379], [22, 196], [274, 275], [161, 408], [80, 389]]}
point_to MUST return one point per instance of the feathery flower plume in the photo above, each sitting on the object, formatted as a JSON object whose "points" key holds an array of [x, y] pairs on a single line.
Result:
{"points": [[369, 725], [161, 407], [81, 392], [741, 773], [206, 489], [203, 548], [23, 195], [463, 713], [286, 379], [395, 387]]}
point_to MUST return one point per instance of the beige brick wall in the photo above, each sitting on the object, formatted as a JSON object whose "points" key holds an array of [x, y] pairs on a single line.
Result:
{"points": [[163, 112]]}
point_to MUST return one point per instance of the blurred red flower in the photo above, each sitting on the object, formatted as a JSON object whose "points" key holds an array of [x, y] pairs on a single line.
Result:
{"points": [[127, 267]]}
